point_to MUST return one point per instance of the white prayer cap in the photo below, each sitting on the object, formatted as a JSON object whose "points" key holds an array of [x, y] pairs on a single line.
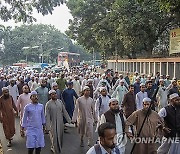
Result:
{"points": [[90, 80], [33, 93], [146, 99], [173, 96], [149, 76], [142, 84], [113, 100], [12, 79], [85, 88], [137, 78], [52, 91], [160, 80], [167, 75], [103, 75], [136, 72], [173, 81], [5, 88], [75, 76], [152, 78], [102, 88], [54, 84], [174, 78], [161, 75], [120, 75], [121, 81]]}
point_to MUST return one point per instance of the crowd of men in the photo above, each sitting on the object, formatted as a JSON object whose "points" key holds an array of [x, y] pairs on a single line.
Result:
{"points": [[121, 107]]}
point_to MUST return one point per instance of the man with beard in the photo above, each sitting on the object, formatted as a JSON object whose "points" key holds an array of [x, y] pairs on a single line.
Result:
{"points": [[129, 104], [151, 90], [119, 92], [116, 117], [7, 114], [106, 145], [149, 129], [84, 113], [76, 85], [161, 95], [68, 98], [61, 82], [33, 123], [90, 85], [171, 117], [42, 92], [21, 84], [23, 100], [13, 90], [54, 112]]}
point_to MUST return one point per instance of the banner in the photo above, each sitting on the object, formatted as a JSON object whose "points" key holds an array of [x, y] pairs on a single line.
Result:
{"points": [[174, 41]]}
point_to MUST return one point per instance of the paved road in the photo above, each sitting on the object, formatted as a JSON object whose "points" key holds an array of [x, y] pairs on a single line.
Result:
{"points": [[70, 146]]}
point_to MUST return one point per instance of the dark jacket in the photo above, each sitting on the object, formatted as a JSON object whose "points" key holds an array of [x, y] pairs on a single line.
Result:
{"points": [[129, 104], [172, 120]]}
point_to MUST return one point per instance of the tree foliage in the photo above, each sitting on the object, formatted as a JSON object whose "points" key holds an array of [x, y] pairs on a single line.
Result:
{"points": [[41, 39], [123, 27], [21, 10]]}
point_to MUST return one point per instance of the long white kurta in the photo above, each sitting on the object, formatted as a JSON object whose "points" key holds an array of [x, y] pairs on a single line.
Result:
{"points": [[83, 84], [77, 87], [84, 113], [139, 99], [119, 93], [162, 97], [54, 112], [13, 91]]}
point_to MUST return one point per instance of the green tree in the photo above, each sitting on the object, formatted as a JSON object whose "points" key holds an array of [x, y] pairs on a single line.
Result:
{"points": [[21, 10], [123, 27], [38, 39]]}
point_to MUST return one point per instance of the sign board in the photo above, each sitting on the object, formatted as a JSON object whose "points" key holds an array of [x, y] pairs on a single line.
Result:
{"points": [[174, 41]]}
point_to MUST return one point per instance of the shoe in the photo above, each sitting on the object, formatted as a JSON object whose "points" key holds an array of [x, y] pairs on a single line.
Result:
{"points": [[52, 149], [82, 144], [9, 144], [69, 125]]}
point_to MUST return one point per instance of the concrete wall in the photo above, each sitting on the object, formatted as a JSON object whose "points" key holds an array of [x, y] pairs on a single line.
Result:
{"points": [[170, 66]]}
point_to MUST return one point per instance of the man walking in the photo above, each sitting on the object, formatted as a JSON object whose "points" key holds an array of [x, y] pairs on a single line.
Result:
{"points": [[149, 129], [33, 122], [54, 112], [116, 117], [23, 100], [42, 92], [68, 97], [129, 104], [85, 115], [7, 111]]}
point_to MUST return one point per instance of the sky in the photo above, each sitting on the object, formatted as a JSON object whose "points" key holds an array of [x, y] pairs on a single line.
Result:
{"points": [[59, 18]]}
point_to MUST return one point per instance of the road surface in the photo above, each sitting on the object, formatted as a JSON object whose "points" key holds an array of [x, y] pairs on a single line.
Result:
{"points": [[70, 145]]}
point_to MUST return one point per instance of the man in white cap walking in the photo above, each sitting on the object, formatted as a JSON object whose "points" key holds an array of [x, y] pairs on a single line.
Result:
{"points": [[161, 95], [7, 118], [119, 92], [116, 117], [140, 96], [54, 112], [171, 116], [84, 113], [33, 123], [149, 129]]}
